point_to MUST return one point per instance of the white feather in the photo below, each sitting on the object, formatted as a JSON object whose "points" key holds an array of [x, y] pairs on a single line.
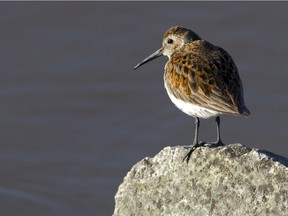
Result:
{"points": [[191, 109]]}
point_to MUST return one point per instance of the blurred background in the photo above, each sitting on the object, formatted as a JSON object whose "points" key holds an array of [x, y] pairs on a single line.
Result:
{"points": [[75, 117]]}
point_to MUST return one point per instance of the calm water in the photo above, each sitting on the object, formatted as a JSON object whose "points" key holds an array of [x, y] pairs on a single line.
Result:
{"points": [[75, 117]]}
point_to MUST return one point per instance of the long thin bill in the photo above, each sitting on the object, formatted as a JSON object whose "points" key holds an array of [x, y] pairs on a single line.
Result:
{"points": [[154, 55]]}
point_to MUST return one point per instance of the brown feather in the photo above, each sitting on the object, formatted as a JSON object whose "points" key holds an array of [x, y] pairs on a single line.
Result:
{"points": [[205, 75]]}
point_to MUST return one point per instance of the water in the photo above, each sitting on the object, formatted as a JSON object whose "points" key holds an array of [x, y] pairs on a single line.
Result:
{"points": [[75, 117]]}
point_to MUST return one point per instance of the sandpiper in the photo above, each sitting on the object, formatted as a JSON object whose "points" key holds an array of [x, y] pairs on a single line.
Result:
{"points": [[201, 79]]}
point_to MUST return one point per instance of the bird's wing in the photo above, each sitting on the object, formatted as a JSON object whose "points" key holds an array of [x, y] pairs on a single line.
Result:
{"points": [[206, 76]]}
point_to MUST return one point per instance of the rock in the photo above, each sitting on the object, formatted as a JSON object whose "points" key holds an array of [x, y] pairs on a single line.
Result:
{"points": [[229, 180]]}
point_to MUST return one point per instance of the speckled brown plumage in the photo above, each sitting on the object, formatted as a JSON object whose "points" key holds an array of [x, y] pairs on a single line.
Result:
{"points": [[205, 75]]}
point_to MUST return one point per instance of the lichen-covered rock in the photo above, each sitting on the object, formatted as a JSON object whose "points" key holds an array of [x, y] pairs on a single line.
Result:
{"points": [[229, 180]]}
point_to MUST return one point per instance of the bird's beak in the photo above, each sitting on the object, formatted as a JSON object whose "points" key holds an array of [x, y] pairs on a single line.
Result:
{"points": [[154, 55]]}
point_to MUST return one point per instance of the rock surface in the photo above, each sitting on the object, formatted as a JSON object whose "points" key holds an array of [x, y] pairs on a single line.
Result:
{"points": [[229, 180]]}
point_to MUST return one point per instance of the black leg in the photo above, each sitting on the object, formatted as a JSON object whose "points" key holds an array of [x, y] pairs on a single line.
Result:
{"points": [[197, 124], [195, 144], [218, 141]]}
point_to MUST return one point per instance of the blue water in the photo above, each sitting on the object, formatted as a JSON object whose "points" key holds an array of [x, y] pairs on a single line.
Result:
{"points": [[75, 117]]}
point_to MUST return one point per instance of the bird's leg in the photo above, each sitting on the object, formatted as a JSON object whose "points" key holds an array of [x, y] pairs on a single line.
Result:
{"points": [[197, 124], [196, 143], [218, 141]]}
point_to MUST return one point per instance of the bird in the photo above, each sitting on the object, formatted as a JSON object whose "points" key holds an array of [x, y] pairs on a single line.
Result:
{"points": [[201, 79]]}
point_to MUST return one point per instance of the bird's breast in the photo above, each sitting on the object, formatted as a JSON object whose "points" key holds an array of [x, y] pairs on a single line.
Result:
{"points": [[190, 108]]}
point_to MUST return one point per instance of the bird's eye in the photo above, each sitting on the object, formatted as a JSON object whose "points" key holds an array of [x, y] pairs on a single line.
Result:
{"points": [[169, 41]]}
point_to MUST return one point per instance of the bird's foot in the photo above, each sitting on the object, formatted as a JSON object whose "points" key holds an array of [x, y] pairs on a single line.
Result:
{"points": [[201, 144], [192, 148], [214, 144]]}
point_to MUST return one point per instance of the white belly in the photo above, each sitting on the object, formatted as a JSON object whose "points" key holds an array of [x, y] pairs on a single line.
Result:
{"points": [[192, 110]]}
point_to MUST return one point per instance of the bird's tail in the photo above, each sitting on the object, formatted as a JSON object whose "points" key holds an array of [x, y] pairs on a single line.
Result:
{"points": [[245, 111]]}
